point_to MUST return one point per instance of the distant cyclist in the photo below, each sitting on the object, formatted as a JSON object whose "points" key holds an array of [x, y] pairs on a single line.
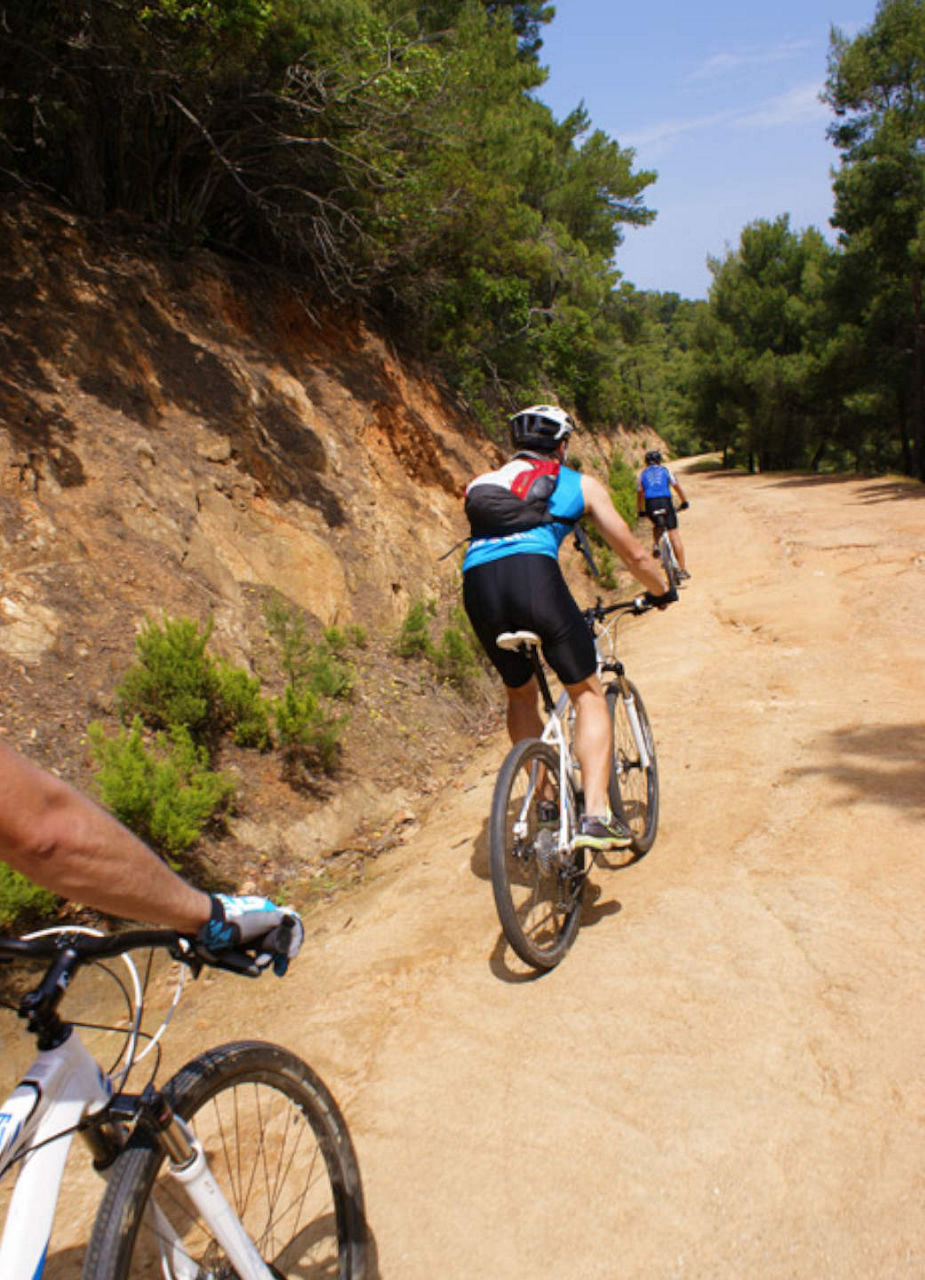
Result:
{"points": [[653, 493]]}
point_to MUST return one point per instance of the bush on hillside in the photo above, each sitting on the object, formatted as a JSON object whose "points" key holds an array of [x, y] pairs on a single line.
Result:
{"points": [[165, 794], [20, 898]]}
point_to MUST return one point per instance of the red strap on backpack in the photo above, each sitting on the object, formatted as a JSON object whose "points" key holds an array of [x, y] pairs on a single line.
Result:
{"points": [[528, 477]]}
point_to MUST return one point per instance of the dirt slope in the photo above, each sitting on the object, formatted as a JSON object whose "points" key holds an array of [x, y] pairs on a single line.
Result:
{"points": [[724, 1076]]}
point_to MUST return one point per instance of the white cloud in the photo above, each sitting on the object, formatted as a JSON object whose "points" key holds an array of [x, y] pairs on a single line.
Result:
{"points": [[722, 63], [796, 106]]}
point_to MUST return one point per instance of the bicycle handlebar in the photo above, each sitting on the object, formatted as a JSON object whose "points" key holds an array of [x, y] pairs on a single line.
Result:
{"points": [[85, 948], [639, 604]]}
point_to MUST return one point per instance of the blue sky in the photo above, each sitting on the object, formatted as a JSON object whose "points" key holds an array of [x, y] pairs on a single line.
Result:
{"points": [[721, 98]]}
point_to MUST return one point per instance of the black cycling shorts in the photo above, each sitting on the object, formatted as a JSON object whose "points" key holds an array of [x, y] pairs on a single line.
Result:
{"points": [[529, 593], [666, 505]]}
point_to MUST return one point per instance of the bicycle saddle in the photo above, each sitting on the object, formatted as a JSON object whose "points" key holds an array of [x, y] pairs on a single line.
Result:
{"points": [[514, 639]]}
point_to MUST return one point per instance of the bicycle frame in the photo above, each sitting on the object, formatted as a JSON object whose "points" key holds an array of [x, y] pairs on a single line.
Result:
{"points": [[60, 1094], [556, 712], [40, 1117]]}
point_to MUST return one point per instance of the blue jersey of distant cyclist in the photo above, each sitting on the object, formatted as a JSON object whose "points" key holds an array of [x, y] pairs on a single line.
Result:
{"points": [[567, 502], [656, 482]]}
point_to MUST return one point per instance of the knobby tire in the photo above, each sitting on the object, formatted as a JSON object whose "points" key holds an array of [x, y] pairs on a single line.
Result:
{"points": [[633, 788], [537, 890], [278, 1145]]}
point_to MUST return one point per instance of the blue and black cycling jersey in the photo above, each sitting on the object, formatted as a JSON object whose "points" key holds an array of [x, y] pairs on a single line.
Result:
{"points": [[655, 482]]}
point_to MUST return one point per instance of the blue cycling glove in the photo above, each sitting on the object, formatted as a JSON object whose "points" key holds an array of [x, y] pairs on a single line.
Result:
{"points": [[253, 924]]}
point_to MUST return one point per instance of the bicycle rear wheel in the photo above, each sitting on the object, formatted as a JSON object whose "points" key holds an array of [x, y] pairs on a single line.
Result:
{"points": [[537, 887], [633, 785], [279, 1148]]}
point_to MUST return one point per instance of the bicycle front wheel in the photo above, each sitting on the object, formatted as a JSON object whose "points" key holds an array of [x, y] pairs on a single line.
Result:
{"points": [[279, 1149], [633, 783], [537, 885]]}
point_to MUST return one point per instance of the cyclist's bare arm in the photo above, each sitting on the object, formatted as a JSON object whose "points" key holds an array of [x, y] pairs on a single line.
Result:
{"points": [[66, 843], [616, 533], [679, 491]]}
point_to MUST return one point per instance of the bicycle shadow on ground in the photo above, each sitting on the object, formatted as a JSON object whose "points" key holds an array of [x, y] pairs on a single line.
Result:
{"points": [[503, 962], [67, 1263], [506, 966]]}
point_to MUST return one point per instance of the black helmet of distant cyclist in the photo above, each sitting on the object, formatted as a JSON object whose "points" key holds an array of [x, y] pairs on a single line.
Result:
{"points": [[653, 457], [541, 427]]}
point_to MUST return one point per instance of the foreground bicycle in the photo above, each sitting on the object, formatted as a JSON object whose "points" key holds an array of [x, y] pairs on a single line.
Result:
{"points": [[239, 1168], [537, 878]]}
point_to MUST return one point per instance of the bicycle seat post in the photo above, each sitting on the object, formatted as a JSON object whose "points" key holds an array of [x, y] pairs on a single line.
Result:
{"points": [[539, 671]]}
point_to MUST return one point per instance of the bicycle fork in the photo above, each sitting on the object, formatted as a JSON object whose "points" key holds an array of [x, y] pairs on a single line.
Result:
{"points": [[187, 1163], [639, 737]]}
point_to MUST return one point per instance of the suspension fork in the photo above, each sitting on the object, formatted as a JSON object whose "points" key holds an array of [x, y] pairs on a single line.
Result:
{"points": [[187, 1163], [626, 693]]}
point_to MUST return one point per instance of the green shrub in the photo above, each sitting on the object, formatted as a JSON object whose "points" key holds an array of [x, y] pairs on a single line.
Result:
{"points": [[306, 665], [286, 627], [414, 637], [329, 675], [165, 796], [305, 729], [19, 898], [455, 658], [621, 480], [173, 680], [338, 639], [245, 713]]}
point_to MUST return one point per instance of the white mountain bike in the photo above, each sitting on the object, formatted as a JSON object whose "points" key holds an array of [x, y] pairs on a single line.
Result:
{"points": [[536, 876], [239, 1168]]}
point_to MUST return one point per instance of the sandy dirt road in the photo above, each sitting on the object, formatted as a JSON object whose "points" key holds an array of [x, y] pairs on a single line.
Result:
{"points": [[724, 1077]]}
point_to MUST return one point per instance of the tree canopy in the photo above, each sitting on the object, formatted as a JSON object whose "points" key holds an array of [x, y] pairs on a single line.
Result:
{"points": [[389, 155], [810, 354]]}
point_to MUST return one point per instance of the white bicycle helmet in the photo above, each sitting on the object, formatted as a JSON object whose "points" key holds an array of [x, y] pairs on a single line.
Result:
{"points": [[542, 427]]}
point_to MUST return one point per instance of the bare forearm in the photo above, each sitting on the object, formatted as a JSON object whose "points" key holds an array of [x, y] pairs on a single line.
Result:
{"points": [[644, 568], [64, 842]]}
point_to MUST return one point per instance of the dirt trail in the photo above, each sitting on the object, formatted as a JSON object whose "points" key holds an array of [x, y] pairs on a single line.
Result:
{"points": [[724, 1076]]}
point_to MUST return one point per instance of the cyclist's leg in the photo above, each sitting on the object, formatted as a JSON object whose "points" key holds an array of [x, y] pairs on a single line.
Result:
{"points": [[593, 742], [523, 711], [677, 544]]}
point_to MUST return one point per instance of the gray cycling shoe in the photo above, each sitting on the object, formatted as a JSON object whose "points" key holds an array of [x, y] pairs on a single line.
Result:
{"points": [[601, 834]]}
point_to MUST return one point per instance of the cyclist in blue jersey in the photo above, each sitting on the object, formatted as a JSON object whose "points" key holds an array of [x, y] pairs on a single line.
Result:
{"points": [[57, 837], [653, 493], [512, 581]]}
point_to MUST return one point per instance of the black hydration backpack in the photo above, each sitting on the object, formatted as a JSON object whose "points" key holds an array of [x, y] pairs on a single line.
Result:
{"points": [[512, 499]]}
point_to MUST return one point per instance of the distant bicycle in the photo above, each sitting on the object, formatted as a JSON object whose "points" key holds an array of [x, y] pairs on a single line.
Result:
{"points": [[537, 878], [239, 1168], [665, 552]]}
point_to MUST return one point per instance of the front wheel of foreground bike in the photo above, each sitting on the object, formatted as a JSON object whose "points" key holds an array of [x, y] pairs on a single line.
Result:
{"points": [[537, 887], [633, 783], [280, 1151]]}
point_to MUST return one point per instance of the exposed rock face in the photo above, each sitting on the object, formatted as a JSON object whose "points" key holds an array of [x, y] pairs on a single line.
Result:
{"points": [[172, 432]]}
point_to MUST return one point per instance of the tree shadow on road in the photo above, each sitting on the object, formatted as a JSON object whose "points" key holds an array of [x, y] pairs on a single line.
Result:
{"points": [[882, 763], [882, 490]]}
